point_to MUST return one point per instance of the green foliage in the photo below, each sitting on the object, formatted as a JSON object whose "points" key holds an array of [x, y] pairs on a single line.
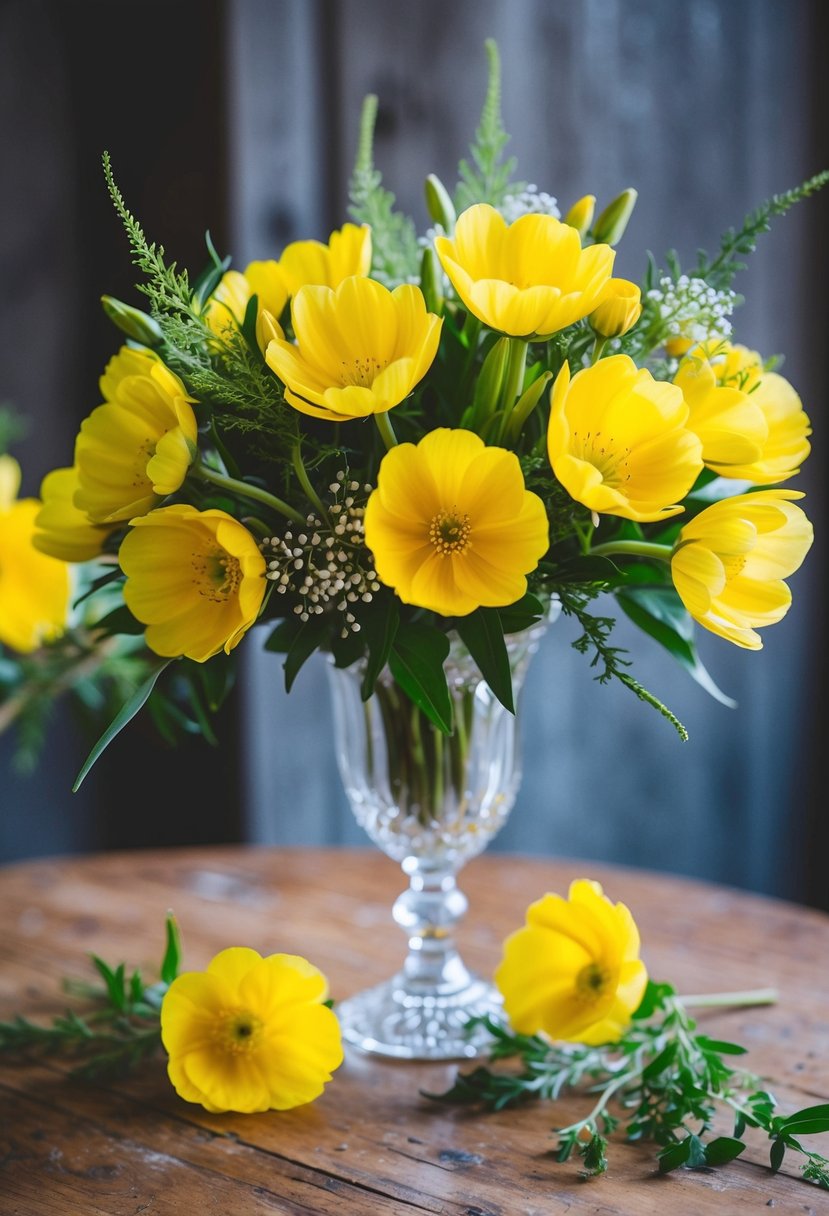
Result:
{"points": [[395, 252], [665, 1081], [488, 177], [119, 1031], [12, 428]]}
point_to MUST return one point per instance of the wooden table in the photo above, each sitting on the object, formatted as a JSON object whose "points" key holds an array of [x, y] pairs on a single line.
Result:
{"points": [[371, 1144]]}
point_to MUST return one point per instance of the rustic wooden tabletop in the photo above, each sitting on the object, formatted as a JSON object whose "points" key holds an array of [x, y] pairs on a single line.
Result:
{"points": [[371, 1144]]}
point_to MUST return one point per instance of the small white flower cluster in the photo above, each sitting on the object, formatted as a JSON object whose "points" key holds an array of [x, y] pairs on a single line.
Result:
{"points": [[326, 563], [689, 308], [530, 201]]}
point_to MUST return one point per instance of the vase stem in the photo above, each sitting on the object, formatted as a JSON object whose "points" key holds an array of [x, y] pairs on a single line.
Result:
{"points": [[428, 912]]}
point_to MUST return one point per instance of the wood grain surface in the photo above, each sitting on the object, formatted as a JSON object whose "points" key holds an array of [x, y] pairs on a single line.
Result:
{"points": [[371, 1144]]}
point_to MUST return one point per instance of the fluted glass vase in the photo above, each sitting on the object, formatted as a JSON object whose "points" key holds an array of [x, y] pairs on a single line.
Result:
{"points": [[431, 802]]}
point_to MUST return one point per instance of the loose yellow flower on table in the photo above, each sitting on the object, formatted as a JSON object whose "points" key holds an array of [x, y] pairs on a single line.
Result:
{"points": [[573, 970], [618, 440], [61, 529], [34, 588], [360, 348], [250, 1033], [751, 422], [525, 278], [452, 526], [195, 578], [729, 563], [136, 448]]}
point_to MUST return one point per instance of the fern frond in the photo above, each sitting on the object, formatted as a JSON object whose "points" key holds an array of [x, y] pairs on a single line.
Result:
{"points": [[488, 179]]}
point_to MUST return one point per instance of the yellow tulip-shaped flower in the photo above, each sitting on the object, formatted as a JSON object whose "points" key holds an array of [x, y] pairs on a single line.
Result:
{"points": [[531, 277], [452, 526], [729, 563], [762, 435], [618, 442], [360, 348], [196, 579], [619, 310], [61, 529], [137, 447], [250, 1033], [226, 308], [573, 970], [348, 252], [34, 588]]}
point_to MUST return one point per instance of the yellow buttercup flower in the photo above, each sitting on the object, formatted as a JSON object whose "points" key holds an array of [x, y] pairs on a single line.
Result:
{"points": [[618, 441], [619, 310], [573, 970], [360, 348], [762, 433], [348, 252], [729, 563], [531, 277], [34, 588], [61, 529], [451, 524], [250, 1033], [196, 579], [136, 448]]}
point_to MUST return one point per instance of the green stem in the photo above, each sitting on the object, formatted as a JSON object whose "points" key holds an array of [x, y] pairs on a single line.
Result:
{"points": [[305, 482], [384, 426], [633, 548], [598, 347], [516, 366], [754, 996], [246, 490]]}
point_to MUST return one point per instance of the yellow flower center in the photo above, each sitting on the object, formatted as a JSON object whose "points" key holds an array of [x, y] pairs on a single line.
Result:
{"points": [[449, 532], [362, 371], [217, 575], [592, 982], [239, 1031], [604, 455], [733, 565]]}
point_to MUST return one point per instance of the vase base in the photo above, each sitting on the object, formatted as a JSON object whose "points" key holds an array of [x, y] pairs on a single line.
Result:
{"points": [[393, 1019]]}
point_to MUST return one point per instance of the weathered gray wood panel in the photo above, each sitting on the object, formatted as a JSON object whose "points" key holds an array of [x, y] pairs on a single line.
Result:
{"points": [[704, 108]]}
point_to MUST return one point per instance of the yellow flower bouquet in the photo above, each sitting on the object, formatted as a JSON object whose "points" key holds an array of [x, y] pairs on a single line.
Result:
{"points": [[409, 452]]}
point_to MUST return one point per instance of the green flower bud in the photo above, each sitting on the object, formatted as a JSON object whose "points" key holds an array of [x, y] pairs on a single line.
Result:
{"points": [[439, 204], [132, 321], [611, 224], [580, 215], [431, 281], [490, 383]]}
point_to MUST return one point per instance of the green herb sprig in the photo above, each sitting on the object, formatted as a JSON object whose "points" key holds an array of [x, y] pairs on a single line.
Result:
{"points": [[664, 1081], [118, 1033]]}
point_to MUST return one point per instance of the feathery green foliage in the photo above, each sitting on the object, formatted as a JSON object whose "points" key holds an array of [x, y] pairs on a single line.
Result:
{"points": [[487, 178]]}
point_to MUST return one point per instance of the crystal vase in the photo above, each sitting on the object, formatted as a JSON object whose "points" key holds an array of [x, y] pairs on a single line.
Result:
{"points": [[431, 802]]}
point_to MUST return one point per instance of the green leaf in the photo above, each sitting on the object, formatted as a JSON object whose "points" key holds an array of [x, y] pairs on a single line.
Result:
{"points": [[172, 955], [653, 999], [720, 1046], [114, 981], [808, 1121], [281, 639], [659, 612], [696, 1153], [674, 1155], [416, 661], [660, 1062], [522, 614], [723, 1149], [307, 640], [125, 715], [379, 625], [120, 620], [776, 1155], [483, 636]]}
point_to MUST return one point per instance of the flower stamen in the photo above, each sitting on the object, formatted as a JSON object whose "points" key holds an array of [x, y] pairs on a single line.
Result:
{"points": [[449, 531]]}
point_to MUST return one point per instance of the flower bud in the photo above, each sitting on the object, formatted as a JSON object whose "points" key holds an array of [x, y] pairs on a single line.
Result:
{"points": [[678, 346], [132, 321], [490, 383], [580, 215], [439, 204], [431, 281], [611, 224], [619, 309]]}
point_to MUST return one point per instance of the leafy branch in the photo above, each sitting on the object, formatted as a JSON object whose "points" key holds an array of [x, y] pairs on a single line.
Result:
{"points": [[120, 1031], [665, 1082], [488, 178], [395, 253]]}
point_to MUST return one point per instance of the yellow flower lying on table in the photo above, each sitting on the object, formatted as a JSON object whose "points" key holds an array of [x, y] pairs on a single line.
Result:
{"points": [[573, 971], [250, 1033]]}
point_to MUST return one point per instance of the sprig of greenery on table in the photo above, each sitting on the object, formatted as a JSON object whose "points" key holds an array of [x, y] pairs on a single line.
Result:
{"points": [[665, 1081], [119, 1032]]}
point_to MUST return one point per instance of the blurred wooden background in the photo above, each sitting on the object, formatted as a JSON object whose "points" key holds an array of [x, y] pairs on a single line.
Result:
{"points": [[241, 116]]}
